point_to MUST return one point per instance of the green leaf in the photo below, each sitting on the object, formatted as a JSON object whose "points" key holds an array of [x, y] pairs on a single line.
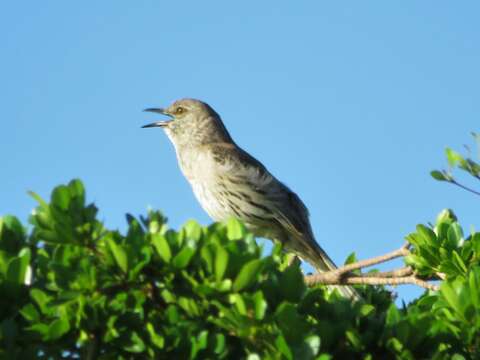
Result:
{"points": [[78, 191], [61, 197], [393, 315], [193, 230], [247, 274], [43, 204], [156, 339], [30, 313], [283, 347], [237, 300], [474, 286], [448, 292], [457, 260], [202, 340], [440, 176], [136, 344], [446, 216], [350, 259], [292, 324], [428, 235], [44, 220], [40, 298], [161, 245], [119, 255], [325, 357], [17, 267], [395, 345], [12, 234], [418, 262], [354, 339], [206, 253], [235, 229], [225, 285], [455, 234], [219, 344], [453, 157], [58, 328], [260, 305], [182, 259], [221, 262], [292, 285], [366, 309], [189, 305]]}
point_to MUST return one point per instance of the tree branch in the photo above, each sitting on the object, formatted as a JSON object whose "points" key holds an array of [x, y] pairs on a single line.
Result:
{"points": [[369, 280], [404, 271], [403, 251], [343, 275]]}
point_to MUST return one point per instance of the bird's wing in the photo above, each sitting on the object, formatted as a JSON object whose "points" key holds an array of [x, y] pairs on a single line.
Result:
{"points": [[268, 197]]}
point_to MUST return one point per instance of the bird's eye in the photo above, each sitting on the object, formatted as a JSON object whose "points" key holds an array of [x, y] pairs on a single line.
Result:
{"points": [[179, 110]]}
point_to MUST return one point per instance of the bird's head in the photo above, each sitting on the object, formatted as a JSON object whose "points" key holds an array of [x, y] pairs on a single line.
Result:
{"points": [[192, 122]]}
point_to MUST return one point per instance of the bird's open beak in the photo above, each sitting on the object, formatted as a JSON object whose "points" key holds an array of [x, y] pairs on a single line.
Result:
{"points": [[158, 123]]}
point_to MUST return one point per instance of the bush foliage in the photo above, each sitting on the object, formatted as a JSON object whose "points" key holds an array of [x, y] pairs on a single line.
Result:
{"points": [[72, 288]]}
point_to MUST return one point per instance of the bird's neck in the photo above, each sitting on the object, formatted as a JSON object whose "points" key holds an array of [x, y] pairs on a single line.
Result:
{"points": [[207, 131]]}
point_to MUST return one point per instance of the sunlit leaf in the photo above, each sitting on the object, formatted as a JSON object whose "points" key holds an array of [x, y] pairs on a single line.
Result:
{"points": [[247, 275], [119, 254], [161, 245]]}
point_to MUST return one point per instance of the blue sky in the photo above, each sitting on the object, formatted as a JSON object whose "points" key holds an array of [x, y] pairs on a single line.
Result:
{"points": [[349, 103]]}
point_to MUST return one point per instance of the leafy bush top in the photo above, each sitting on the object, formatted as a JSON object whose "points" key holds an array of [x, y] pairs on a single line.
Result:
{"points": [[72, 288]]}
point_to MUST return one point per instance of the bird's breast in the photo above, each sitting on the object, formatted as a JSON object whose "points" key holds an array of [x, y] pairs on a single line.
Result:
{"points": [[197, 166], [202, 174]]}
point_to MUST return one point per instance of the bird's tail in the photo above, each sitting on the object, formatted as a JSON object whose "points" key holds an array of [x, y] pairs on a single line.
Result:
{"points": [[322, 263]]}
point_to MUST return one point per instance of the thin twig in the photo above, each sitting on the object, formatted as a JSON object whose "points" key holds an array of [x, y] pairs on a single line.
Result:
{"points": [[403, 251], [464, 187]]}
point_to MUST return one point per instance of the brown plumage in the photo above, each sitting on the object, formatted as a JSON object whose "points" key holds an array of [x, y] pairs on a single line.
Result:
{"points": [[228, 182]]}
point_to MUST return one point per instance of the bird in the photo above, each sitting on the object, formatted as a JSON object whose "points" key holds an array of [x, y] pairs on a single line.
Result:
{"points": [[229, 182]]}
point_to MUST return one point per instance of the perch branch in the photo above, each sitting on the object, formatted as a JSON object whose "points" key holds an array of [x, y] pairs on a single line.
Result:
{"points": [[404, 271], [403, 251], [343, 275], [369, 280]]}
